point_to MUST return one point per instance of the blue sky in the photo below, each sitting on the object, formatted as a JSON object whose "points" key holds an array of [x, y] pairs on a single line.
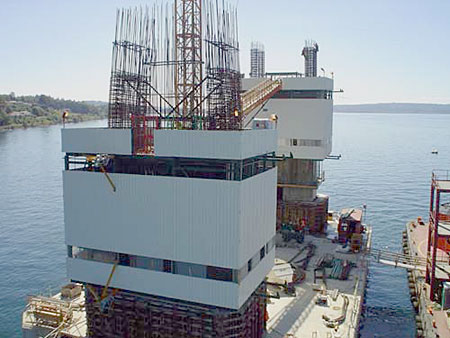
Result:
{"points": [[379, 51]]}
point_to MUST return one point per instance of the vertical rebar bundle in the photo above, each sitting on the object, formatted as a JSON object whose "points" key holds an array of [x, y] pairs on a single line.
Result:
{"points": [[309, 52], [222, 68], [257, 60], [175, 67]]}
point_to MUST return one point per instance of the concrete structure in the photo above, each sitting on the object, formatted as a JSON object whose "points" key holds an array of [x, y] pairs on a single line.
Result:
{"points": [[193, 224], [309, 52], [304, 110], [257, 60]]}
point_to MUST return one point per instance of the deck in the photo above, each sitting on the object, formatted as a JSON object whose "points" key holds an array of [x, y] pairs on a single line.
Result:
{"points": [[417, 239], [299, 315]]}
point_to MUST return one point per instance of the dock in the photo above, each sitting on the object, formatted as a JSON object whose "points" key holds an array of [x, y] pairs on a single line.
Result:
{"points": [[320, 305]]}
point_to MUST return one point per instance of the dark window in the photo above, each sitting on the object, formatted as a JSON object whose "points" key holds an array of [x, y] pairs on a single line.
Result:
{"points": [[167, 265], [224, 274], [249, 265], [303, 94], [124, 259], [69, 251], [262, 253]]}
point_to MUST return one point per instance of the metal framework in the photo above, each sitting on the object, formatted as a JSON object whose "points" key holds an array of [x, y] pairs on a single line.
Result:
{"points": [[309, 52], [222, 68], [257, 60], [188, 57], [164, 77], [438, 235]]}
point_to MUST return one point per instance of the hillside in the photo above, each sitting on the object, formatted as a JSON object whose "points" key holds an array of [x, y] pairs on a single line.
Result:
{"points": [[394, 108], [41, 110]]}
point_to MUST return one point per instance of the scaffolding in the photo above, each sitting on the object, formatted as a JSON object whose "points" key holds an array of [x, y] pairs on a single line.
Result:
{"points": [[62, 315], [139, 315], [257, 60], [309, 52], [438, 232]]}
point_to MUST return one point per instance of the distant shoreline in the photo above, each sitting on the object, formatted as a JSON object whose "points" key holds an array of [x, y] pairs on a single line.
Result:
{"points": [[80, 118], [394, 108], [390, 113]]}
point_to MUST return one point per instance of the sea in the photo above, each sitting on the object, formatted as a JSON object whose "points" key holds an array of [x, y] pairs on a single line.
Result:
{"points": [[385, 164]]}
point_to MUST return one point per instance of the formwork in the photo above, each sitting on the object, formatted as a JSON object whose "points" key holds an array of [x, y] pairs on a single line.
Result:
{"points": [[133, 315], [297, 201], [312, 214]]}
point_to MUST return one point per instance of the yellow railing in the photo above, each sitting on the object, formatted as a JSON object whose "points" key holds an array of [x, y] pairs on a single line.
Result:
{"points": [[257, 95]]}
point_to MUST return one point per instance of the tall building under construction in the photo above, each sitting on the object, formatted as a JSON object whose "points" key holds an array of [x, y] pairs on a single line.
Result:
{"points": [[170, 211], [304, 110]]}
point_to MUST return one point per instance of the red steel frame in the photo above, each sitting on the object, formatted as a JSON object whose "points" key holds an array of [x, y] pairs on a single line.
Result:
{"points": [[433, 233]]}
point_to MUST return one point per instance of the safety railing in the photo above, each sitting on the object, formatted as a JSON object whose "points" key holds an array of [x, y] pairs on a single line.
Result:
{"points": [[257, 95], [440, 175]]}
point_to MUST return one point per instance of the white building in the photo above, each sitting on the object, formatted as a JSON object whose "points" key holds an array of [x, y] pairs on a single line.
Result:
{"points": [[304, 107], [194, 222]]}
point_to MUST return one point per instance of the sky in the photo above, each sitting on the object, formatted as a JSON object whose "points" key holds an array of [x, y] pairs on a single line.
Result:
{"points": [[379, 51]]}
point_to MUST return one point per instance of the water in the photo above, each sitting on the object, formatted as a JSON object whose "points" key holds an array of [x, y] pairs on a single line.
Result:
{"points": [[386, 164], [32, 250]]}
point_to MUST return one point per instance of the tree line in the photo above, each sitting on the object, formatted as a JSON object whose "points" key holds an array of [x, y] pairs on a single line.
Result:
{"points": [[27, 111]]}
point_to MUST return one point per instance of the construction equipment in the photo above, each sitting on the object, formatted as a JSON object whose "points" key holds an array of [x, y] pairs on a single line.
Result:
{"points": [[57, 316], [104, 299]]}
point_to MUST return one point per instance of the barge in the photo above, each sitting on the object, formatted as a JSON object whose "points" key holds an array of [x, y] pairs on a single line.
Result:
{"points": [[428, 245]]}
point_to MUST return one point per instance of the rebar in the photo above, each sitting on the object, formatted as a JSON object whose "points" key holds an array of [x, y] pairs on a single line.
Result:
{"points": [[175, 67]]}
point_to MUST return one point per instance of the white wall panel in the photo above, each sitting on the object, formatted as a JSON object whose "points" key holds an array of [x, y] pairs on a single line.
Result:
{"points": [[200, 290], [205, 291], [294, 83], [250, 82], [310, 119], [303, 119], [239, 144], [96, 141], [202, 221], [307, 83], [257, 275], [258, 215]]}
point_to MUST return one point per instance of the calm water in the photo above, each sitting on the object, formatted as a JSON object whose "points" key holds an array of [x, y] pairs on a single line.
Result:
{"points": [[386, 164]]}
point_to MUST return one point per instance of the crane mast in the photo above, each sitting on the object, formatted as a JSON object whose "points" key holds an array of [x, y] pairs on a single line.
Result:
{"points": [[188, 59]]}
